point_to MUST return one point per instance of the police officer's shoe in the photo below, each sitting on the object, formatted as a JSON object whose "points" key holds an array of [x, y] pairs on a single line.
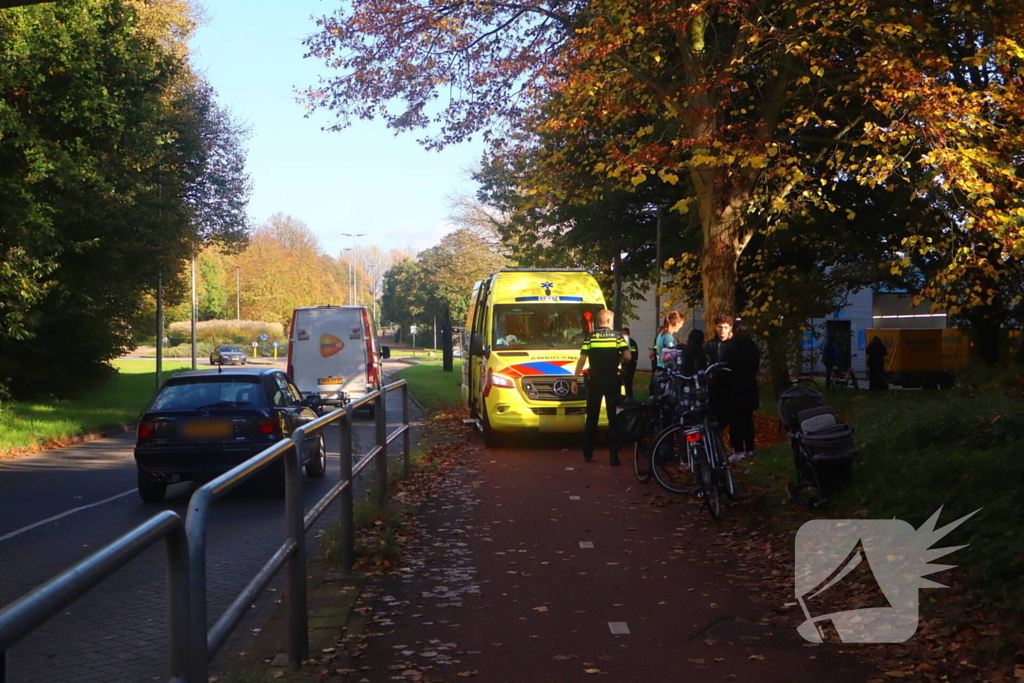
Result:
{"points": [[587, 457], [615, 462]]}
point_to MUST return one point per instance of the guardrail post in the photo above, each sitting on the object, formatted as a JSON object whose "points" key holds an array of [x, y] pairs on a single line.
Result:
{"points": [[195, 527], [406, 457], [3, 666], [177, 604], [347, 512], [298, 623], [382, 441]]}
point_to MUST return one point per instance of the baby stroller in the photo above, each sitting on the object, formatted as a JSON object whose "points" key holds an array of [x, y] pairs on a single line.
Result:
{"points": [[823, 446]]}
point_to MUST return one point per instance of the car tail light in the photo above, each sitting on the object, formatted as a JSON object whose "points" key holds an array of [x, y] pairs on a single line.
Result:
{"points": [[692, 437], [372, 369], [147, 430], [269, 425]]}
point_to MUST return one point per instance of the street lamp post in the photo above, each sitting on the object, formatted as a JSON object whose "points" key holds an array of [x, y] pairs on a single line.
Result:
{"points": [[351, 265], [238, 295]]}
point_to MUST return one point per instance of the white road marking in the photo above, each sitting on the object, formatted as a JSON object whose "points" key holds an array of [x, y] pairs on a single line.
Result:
{"points": [[72, 511], [618, 628], [574, 497], [569, 469], [583, 544]]}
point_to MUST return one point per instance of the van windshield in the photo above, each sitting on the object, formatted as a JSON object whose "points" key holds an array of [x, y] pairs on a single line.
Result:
{"points": [[543, 325]]}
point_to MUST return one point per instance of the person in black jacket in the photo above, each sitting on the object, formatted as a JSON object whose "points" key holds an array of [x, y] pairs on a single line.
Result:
{"points": [[718, 387], [876, 353], [743, 358], [629, 367]]}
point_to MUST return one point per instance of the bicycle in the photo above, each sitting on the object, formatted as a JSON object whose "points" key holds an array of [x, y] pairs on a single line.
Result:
{"points": [[845, 376], [689, 456], [659, 414]]}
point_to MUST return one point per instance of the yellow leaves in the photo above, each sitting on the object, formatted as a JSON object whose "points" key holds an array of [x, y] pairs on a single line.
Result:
{"points": [[851, 214], [817, 71], [637, 179], [682, 206], [773, 150], [668, 177], [757, 161]]}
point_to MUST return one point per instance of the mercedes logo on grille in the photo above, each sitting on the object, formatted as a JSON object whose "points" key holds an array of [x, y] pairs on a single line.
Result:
{"points": [[561, 388]]}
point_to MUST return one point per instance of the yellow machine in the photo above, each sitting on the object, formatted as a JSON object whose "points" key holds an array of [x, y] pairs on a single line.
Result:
{"points": [[523, 332]]}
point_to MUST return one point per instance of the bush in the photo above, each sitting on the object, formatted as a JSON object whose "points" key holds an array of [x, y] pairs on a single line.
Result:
{"points": [[185, 350], [215, 332]]}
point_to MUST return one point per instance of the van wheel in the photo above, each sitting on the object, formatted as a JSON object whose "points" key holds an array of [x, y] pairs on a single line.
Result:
{"points": [[151, 491], [490, 436], [316, 468]]}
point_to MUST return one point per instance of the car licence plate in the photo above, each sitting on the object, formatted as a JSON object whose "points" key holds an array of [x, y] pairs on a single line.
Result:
{"points": [[331, 380], [208, 429]]}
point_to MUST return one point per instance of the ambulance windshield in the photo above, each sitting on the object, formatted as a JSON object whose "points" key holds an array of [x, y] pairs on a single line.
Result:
{"points": [[543, 325]]}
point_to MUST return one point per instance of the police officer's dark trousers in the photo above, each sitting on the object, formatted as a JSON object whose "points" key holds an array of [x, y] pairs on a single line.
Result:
{"points": [[607, 387]]}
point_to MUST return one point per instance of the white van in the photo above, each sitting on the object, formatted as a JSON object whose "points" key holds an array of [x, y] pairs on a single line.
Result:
{"points": [[333, 354]]}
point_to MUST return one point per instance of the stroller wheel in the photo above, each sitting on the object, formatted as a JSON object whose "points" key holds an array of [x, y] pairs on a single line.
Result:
{"points": [[815, 502]]}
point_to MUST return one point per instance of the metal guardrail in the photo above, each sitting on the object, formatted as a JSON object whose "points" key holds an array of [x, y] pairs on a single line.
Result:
{"points": [[190, 645], [35, 608]]}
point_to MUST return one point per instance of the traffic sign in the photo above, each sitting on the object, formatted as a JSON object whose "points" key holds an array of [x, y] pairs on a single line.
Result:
{"points": [[263, 337], [275, 345], [255, 344], [412, 329]]}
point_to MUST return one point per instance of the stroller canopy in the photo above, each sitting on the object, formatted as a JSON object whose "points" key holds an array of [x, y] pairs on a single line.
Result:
{"points": [[795, 400]]}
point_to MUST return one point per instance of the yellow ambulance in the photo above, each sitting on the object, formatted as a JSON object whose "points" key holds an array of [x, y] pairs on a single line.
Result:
{"points": [[523, 333]]}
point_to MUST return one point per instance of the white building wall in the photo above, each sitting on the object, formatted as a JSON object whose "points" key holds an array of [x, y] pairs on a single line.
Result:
{"points": [[858, 310]]}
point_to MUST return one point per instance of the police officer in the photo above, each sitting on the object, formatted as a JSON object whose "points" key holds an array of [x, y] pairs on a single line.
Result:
{"points": [[605, 348], [629, 366]]}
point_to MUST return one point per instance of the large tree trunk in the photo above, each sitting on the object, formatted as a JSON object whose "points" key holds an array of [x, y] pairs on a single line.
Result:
{"points": [[721, 216]]}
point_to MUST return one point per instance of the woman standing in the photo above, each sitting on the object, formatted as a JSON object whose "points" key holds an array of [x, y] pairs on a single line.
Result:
{"points": [[665, 340], [744, 362], [672, 323]]}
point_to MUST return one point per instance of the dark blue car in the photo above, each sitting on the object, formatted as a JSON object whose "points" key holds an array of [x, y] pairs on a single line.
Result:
{"points": [[202, 423]]}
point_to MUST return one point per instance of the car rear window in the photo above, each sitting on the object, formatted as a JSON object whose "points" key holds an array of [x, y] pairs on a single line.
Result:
{"points": [[190, 393]]}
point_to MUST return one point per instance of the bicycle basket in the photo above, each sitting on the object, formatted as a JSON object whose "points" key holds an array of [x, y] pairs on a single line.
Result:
{"points": [[631, 420]]}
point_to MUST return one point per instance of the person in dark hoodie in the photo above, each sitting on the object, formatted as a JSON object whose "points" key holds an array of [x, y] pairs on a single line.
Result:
{"points": [[876, 353], [743, 359], [692, 359]]}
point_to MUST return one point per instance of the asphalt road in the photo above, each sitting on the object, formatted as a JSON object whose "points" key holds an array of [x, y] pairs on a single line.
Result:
{"points": [[59, 506]]}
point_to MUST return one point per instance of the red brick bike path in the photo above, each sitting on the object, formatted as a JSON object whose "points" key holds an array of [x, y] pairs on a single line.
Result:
{"points": [[535, 566]]}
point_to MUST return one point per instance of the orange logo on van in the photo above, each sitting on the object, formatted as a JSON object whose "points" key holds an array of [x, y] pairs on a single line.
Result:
{"points": [[330, 345]]}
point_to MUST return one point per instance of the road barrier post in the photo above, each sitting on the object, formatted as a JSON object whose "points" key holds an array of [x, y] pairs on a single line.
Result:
{"points": [[347, 511], [406, 457], [298, 624], [382, 441]]}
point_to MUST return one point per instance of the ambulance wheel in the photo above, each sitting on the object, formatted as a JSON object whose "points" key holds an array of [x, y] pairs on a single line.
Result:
{"points": [[490, 436]]}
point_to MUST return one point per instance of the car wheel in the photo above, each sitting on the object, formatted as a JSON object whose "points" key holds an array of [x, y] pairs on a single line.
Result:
{"points": [[151, 491], [316, 468]]}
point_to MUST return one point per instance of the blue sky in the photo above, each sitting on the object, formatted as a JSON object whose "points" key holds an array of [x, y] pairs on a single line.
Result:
{"points": [[363, 179]]}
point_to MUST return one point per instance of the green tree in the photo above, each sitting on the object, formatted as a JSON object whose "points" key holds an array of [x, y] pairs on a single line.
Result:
{"points": [[106, 180]]}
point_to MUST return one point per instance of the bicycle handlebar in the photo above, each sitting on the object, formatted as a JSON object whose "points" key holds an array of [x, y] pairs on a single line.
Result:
{"points": [[702, 373]]}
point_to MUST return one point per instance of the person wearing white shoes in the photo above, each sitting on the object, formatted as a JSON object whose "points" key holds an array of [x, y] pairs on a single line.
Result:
{"points": [[743, 359]]}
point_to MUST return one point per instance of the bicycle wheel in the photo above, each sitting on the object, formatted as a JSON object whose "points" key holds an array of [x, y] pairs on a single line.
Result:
{"points": [[642, 458], [720, 458], [706, 481], [669, 462]]}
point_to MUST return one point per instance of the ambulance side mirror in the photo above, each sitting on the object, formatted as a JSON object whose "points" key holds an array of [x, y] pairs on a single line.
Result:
{"points": [[385, 352], [476, 345]]}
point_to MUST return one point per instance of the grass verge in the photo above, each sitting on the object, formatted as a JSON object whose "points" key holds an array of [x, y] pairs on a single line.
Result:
{"points": [[434, 388], [919, 451], [27, 427]]}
